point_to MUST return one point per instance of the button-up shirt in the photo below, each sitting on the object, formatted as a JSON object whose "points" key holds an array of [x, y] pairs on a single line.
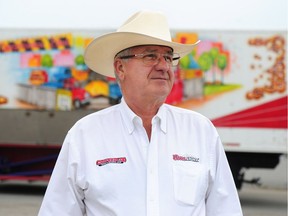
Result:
{"points": [[108, 167]]}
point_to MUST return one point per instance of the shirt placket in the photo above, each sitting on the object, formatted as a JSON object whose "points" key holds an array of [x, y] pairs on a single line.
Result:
{"points": [[152, 174]]}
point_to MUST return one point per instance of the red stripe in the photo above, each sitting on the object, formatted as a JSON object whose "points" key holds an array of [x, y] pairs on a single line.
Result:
{"points": [[269, 115], [25, 178], [30, 146]]}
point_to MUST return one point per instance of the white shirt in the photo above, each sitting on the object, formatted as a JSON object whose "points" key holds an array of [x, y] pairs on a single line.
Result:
{"points": [[107, 167]]}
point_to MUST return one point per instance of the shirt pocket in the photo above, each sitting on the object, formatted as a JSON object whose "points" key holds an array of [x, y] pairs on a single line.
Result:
{"points": [[190, 183]]}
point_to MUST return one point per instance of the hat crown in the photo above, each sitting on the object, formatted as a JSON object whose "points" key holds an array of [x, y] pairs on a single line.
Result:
{"points": [[143, 28], [153, 24]]}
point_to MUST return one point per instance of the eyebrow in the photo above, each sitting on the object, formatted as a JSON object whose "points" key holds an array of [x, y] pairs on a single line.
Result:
{"points": [[156, 50]]}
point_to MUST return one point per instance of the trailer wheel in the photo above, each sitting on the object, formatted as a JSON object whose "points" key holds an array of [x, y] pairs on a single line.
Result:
{"points": [[5, 168], [236, 167], [77, 104], [113, 101], [238, 176]]}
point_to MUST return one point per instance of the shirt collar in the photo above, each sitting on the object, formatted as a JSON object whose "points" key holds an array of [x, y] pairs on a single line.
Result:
{"points": [[162, 115], [130, 118]]}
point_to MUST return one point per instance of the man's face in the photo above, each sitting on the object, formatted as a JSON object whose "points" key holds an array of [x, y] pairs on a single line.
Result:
{"points": [[145, 78]]}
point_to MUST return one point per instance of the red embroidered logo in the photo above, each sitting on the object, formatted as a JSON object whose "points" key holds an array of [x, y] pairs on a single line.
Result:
{"points": [[177, 157], [111, 160]]}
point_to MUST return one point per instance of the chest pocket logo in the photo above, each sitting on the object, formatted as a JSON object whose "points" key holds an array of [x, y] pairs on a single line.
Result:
{"points": [[119, 160]]}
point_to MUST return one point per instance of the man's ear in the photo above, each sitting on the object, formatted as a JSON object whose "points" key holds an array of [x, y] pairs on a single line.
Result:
{"points": [[119, 68]]}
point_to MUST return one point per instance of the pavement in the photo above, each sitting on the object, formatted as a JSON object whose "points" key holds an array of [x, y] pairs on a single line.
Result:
{"points": [[257, 201], [24, 199]]}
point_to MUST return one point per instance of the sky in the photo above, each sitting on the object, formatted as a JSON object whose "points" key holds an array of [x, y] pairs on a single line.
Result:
{"points": [[110, 14]]}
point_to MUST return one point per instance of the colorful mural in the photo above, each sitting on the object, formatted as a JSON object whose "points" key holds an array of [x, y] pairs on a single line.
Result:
{"points": [[49, 73]]}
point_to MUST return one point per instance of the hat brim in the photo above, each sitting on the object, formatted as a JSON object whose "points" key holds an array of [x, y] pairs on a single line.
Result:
{"points": [[99, 54]]}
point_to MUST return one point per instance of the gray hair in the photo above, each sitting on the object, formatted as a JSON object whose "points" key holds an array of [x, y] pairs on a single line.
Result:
{"points": [[124, 52]]}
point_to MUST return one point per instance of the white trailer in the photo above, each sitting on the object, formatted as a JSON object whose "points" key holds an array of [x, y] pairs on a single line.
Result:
{"points": [[245, 98]]}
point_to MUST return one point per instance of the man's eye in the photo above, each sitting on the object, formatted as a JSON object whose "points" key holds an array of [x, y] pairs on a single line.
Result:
{"points": [[150, 56], [168, 58]]}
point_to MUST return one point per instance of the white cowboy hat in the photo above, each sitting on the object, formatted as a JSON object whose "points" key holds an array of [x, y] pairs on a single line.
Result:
{"points": [[143, 28]]}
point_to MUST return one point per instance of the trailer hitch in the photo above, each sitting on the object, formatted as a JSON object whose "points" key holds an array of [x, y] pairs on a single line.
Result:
{"points": [[255, 181]]}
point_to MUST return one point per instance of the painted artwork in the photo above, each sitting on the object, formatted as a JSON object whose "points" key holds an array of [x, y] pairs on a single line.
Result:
{"points": [[243, 79], [213, 60], [48, 72]]}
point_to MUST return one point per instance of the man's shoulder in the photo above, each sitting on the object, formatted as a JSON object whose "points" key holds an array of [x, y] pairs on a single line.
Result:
{"points": [[99, 114], [180, 110], [185, 116], [186, 113]]}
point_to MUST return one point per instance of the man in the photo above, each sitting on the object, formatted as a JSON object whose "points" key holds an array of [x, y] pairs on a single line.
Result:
{"points": [[141, 157]]}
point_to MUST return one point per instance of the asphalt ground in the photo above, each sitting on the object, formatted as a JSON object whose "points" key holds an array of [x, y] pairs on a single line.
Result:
{"points": [[24, 199]]}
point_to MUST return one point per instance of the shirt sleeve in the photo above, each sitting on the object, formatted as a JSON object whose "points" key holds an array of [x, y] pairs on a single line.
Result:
{"points": [[222, 197], [64, 196]]}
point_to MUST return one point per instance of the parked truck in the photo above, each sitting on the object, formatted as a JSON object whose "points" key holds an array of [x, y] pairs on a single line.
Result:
{"points": [[235, 78]]}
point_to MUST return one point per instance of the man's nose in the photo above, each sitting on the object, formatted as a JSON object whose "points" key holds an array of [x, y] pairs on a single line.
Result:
{"points": [[162, 62]]}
